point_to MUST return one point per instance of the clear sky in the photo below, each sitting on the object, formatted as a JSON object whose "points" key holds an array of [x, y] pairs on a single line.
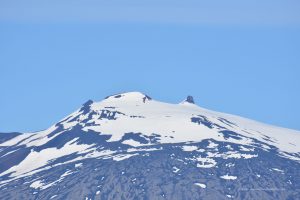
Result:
{"points": [[239, 57]]}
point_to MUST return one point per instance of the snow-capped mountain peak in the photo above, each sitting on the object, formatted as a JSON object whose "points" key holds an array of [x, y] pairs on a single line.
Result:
{"points": [[136, 97], [133, 126]]}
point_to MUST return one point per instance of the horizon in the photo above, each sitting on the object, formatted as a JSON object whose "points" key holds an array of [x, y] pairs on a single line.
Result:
{"points": [[153, 98]]}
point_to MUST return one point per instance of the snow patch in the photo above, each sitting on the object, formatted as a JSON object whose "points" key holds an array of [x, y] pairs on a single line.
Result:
{"points": [[36, 160], [121, 157], [189, 148], [212, 145], [77, 165], [143, 149], [175, 169], [205, 162], [242, 148], [228, 177], [230, 165], [278, 170], [202, 185], [132, 142], [36, 184]]}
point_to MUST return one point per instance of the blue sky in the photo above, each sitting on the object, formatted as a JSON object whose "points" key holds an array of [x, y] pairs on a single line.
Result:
{"points": [[239, 57]]}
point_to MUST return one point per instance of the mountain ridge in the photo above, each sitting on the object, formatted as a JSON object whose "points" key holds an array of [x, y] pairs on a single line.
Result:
{"points": [[133, 127]]}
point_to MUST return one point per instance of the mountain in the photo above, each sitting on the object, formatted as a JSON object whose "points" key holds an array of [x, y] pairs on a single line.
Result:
{"points": [[129, 146]]}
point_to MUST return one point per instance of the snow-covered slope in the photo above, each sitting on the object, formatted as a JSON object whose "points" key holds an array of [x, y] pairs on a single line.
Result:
{"points": [[131, 125], [174, 123]]}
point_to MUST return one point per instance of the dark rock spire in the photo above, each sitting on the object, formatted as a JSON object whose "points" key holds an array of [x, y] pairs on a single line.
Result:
{"points": [[190, 99]]}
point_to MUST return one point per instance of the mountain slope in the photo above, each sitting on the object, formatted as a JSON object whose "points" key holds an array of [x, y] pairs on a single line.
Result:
{"points": [[150, 150]]}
